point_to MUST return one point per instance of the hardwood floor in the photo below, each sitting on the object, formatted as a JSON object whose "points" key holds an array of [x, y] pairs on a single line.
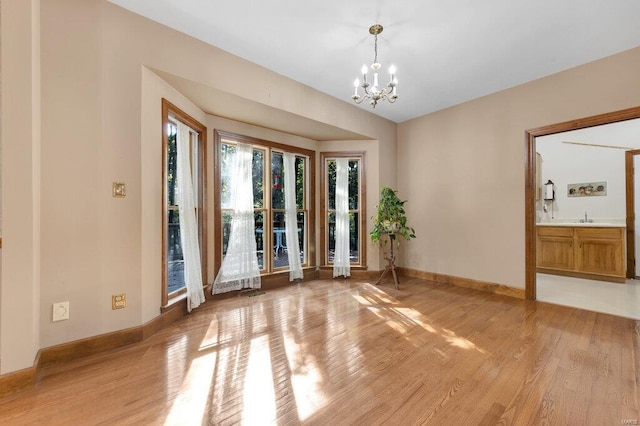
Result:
{"points": [[347, 352]]}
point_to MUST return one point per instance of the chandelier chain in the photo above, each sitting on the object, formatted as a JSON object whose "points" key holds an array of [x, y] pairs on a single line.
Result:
{"points": [[375, 49]]}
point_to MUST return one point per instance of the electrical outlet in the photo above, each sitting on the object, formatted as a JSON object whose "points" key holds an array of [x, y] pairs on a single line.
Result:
{"points": [[118, 301], [60, 311]]}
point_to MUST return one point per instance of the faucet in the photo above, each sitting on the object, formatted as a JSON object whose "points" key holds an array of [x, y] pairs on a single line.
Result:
{"points": [[586, 219]]}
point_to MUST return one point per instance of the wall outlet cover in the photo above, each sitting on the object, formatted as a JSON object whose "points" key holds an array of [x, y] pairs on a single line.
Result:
{"points": [[118, 301], [60, 311]]}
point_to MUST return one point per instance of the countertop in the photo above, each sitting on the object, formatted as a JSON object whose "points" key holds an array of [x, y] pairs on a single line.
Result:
{"points": [[586, 225]]}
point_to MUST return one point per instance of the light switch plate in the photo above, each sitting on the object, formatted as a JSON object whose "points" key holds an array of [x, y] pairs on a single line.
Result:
{"points": [[119, 190]]}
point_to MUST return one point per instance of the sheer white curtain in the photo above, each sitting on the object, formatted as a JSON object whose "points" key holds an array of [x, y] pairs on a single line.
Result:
{"points": [[341, 262], [188, 221], [290, 217], [240, 265]]}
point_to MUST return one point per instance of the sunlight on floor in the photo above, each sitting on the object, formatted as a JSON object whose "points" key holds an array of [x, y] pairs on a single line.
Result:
{"points": [[403, 319], [306, 380], [259, 395], [175, 362], [212, 336], [461, 342], [378, 294], [415, 317], [190, 405], [249, 384], [257, 402]]}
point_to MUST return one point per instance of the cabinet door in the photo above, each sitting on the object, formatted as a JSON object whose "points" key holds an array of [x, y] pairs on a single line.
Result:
{"points": [[600, 251], [555, 248]]}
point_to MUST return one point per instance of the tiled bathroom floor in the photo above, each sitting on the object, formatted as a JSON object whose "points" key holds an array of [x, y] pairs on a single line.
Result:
{"points": [[611, 298]]}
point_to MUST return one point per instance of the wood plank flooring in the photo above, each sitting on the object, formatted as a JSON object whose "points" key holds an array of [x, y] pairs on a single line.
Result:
{"points": [[348, 352]]}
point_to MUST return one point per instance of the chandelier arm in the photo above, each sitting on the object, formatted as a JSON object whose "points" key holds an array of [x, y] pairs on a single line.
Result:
{"points": [[358, 100]]}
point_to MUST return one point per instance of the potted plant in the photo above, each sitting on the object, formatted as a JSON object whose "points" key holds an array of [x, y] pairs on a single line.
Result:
{"points": [[391, 221]]}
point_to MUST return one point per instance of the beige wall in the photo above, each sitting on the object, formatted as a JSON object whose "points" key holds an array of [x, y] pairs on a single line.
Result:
{"points": [[20, 272], [462, 169], [76, 170], [100, 123]]}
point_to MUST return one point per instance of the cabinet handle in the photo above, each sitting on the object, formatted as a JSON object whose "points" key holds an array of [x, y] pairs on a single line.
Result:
{"points": [[580, 244], [571, 244]]}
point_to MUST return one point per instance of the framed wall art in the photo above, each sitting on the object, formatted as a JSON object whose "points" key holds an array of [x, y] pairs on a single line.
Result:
{"points": [[589, 189]]}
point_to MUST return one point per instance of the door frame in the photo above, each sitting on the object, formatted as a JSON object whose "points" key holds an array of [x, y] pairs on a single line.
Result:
{"points": [[530, 184], [631, 215]]}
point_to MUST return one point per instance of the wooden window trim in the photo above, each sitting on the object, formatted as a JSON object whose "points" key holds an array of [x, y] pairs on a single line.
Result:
{"points": [[170, 109], [359, 155], [219, 135]]}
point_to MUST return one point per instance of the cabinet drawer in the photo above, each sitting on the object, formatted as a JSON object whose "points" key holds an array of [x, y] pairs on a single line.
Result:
{"points": [[555, 231], [599, 233]]}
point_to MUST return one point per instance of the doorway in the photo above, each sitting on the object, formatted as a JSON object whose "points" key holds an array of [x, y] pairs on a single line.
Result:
{"points": [[530, 184]]}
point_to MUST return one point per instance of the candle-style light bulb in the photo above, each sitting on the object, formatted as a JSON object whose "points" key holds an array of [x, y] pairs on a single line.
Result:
{"points": [[356, 83], [364, 69], [392, 70]]}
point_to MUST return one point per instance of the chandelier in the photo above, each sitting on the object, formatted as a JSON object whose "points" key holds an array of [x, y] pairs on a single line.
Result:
{"points": [[375, 92]]}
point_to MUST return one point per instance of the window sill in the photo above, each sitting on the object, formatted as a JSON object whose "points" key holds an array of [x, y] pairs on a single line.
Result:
{"points": [[353, 267], [173, 301]]}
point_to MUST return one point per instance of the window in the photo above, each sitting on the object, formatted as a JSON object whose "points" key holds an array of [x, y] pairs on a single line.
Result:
{"points": [[172, 258], [268, 199], [357, 214]]}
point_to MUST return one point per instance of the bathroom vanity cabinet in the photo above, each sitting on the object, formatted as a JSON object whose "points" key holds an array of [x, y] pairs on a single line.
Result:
{"points": [[587, 251]]}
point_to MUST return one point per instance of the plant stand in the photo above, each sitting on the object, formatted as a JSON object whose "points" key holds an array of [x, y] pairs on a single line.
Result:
{"points": [[391, 264]]}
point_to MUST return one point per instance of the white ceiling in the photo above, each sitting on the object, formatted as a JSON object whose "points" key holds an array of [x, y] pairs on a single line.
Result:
{"points": [[445, 52]]}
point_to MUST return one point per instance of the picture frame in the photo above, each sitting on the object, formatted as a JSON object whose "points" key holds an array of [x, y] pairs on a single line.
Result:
{"points": [[587, 189]]}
